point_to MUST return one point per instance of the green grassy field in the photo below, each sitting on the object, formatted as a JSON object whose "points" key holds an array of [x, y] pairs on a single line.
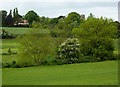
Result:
{"points": [[99, 73], [16, 31], [13, 45], [20, 30]]}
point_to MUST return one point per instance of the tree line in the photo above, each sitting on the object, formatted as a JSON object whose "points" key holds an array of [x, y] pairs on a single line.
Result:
{"points": [[11, 18]]}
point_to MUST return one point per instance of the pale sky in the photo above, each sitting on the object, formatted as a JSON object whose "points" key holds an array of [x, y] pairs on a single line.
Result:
{"points": [[55, 8]]}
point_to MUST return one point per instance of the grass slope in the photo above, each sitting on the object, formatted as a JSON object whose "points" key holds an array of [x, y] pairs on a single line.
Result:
{"points": [[100, 73], [16, 30], [6, 44], [21, 30]]}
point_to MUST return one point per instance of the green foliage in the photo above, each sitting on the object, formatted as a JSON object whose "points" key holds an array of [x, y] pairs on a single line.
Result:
{"points": [[85, 59], [37, 25], [35, 46], [61, 24], [54, 21], [5, 34], [73, 16], [90, 16], [10, 65], [73, 20], [44, 21], [3, 13], [69, 50], [31, 16], [96, 38]]}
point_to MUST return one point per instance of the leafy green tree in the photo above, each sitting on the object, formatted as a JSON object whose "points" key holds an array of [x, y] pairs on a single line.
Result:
{"points": [[73, 16], [90, 16], [37, 25], [71, 21], [44, 21], [34, 47], [31, 16], [54, 21], [4, 15], [61, 24], [118, 25], [96, 37]]}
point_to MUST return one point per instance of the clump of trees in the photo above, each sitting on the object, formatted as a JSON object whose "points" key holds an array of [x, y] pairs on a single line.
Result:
{"points": [[96, 37], [10, 19], [71, 21]]}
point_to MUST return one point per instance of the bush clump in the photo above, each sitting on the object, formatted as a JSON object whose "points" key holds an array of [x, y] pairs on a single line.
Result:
{"points": [[69, 51], [6, 35]]}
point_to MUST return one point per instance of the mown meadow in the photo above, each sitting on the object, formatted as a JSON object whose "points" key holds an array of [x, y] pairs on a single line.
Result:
{"points": [[101, 73]]}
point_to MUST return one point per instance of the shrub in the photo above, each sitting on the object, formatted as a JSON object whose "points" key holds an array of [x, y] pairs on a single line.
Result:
{"points": [[84, 59], [6, 35], [69, 50], [9, 51], [96, 38], [100, 48], [11, 65], [34, 47], [55, 33], [5, 65]]}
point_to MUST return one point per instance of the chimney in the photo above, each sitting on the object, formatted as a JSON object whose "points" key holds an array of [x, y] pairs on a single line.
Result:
{"points": [[82, 16]]}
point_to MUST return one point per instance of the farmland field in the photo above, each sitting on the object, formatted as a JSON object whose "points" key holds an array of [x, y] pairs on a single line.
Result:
{"points": [[6, 45], [100, 73], [16, 31], [19, 30]]}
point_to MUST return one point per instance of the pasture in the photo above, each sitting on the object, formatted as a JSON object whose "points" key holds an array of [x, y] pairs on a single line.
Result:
{"points": [[99, 73], [19, 30], [16, 31]]}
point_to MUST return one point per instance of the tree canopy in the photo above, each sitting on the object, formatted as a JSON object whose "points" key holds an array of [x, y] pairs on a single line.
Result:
{"points": [[31, 16], [4, 15], [95, 36]]}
